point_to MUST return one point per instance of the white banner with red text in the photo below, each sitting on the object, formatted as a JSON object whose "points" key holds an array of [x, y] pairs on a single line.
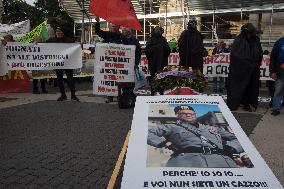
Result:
{"points": [[213, 66]]}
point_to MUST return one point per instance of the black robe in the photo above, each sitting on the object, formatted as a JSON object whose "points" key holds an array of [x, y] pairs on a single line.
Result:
{"points": [[157, 51], [191, 49], [244, 72]]}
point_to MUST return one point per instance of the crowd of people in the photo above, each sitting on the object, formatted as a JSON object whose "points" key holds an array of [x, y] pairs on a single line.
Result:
{"points": [[246, 54]]}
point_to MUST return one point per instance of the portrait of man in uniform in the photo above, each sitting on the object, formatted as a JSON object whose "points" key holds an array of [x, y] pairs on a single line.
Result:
{"points": [[192, 135]]}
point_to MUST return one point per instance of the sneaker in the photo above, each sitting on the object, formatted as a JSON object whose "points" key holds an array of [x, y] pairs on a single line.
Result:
{"points": [[74, 98], [36, 92], [62, 98], [275, 112]]}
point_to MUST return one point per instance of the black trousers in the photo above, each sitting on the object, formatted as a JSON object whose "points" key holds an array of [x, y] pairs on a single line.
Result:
{"points": [[70, 81], [42, 84]]}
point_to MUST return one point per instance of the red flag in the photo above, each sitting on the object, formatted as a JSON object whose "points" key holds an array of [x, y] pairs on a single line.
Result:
{"points": [[118, 12]]}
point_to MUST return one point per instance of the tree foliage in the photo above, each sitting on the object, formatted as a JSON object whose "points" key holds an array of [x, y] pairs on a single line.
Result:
{"points": [[19, 10]]}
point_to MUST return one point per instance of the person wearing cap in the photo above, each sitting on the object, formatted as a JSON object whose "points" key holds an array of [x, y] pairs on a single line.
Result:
{"points": [[244, 70], [61, 38], [112, 36], [190, 46], [157, 51], [195, 144], [276, 68]]}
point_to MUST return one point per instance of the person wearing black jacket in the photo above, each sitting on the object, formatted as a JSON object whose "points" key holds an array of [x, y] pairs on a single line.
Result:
{"points": [[61, 38], [276, 68]]}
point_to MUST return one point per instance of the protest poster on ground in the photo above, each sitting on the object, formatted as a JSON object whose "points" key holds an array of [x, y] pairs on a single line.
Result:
{"points": [[113, 63], [17, 30], [14, 81], [191, 141], [43, 56]]}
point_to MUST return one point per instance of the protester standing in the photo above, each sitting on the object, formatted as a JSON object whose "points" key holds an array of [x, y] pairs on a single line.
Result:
{"points": [[112, 36], [190, 46], [218, 86], [157, 51], [276, 68], [244, 70], [61, 38], [129, 39]]}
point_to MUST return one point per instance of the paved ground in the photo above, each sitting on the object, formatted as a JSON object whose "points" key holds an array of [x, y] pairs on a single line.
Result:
{"points": [[50, 144]]}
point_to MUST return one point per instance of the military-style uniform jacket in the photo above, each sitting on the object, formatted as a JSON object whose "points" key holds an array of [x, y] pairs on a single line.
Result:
{"points": [[184, 136], [195, 138]]}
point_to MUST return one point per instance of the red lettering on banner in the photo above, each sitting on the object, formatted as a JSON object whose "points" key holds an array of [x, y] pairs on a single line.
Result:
{"points": [[266, 61], [222, 58], [119, 65], [115, 53], [114, 65], [101, 89], [14, 81], [210, 59], [144, 61], [173, 59], [216, 59]]}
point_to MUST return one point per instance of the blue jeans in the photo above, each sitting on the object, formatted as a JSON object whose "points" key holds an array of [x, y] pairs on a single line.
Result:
{"points": [[279, 92]]}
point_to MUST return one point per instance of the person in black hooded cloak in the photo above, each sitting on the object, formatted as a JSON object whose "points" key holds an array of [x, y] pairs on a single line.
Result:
{"points": [[244, 70], [190, 46], [157, 51]]}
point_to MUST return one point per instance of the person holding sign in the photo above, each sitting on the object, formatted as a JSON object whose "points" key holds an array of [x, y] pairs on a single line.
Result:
{"points": [[112, 36], [195, 144], [244, 70], [61, 38]]}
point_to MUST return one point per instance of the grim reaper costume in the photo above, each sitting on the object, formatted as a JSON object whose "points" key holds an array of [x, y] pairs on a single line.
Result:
{"points": [[157, 51], [244, 70], [190, 47]]}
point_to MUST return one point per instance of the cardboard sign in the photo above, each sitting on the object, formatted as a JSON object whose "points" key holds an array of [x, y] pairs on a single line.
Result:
{"points": [[114, 63]]}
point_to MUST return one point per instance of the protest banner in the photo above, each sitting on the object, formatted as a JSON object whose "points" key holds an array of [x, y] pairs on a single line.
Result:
{"points": [[17, 30], [218, 66], [113, 63], [213, 65], [173, 60], [43, 56], [191, 141], [14, 81]]}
